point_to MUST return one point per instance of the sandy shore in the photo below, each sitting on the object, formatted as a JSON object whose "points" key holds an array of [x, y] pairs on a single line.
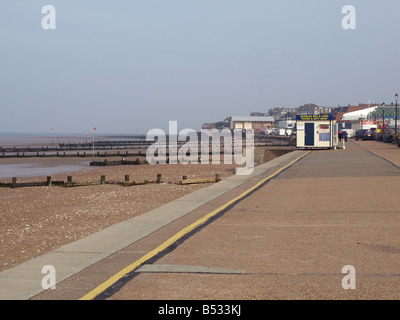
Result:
{"points": [[36, 220]]}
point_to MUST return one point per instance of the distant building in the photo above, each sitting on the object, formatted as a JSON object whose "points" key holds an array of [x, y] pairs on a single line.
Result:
{"points": [[348, 118], [313, 109], [357, 119], [209, 126], [251, 122], [278, 113], [259, 114], [220, 125]]}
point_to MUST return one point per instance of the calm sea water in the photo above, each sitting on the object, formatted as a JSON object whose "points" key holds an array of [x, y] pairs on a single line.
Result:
{"points": [[45, 139], [39, 169], [34, 168], [48, 139]]}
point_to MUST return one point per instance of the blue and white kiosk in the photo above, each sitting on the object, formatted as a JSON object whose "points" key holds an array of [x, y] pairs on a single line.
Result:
{"points": [[316, 132]]}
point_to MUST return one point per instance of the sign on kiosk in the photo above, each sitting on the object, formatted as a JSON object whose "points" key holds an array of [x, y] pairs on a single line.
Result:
{"points": [[314, 117]]}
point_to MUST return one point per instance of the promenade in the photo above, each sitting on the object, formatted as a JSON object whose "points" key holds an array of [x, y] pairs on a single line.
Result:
{"points": [[291, 238], [314, 213]]}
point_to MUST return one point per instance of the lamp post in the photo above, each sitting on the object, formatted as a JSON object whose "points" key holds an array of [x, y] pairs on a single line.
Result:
{"points": [[383, 115], [395, 123]]}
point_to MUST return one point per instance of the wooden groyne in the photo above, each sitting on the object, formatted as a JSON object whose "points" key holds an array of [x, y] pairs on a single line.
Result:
{"points": [[185, 180], [77, 154], [15, 184], [102, 181], [117, 162], [114, 148]]}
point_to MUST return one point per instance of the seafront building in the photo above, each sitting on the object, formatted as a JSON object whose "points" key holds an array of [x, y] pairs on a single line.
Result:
{"points": [[281, 120]]}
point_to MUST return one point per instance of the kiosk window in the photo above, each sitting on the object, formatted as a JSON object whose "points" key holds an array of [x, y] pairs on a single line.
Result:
{"points": [[324, 136]]}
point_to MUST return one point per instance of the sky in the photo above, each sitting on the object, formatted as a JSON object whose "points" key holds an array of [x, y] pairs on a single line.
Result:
{"points": [[127, 67]]}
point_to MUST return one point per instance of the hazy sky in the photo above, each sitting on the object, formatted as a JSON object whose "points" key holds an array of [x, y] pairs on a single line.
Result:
{"points": [[130, 66]]}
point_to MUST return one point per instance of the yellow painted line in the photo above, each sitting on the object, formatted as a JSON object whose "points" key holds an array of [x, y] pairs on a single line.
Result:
{"points": [[108, 283]]}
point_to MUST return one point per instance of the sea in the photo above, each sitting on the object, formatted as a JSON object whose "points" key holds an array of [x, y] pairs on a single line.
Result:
{"points": [[38, 167], [45, 139], [48, 139]]}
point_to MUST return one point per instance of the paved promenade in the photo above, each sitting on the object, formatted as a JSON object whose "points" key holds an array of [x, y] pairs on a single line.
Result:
{"points": [[288, 239], [291, 238]]}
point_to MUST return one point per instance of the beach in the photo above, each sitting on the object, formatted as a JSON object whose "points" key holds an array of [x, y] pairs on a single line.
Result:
{"points": [[36, 220]]}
